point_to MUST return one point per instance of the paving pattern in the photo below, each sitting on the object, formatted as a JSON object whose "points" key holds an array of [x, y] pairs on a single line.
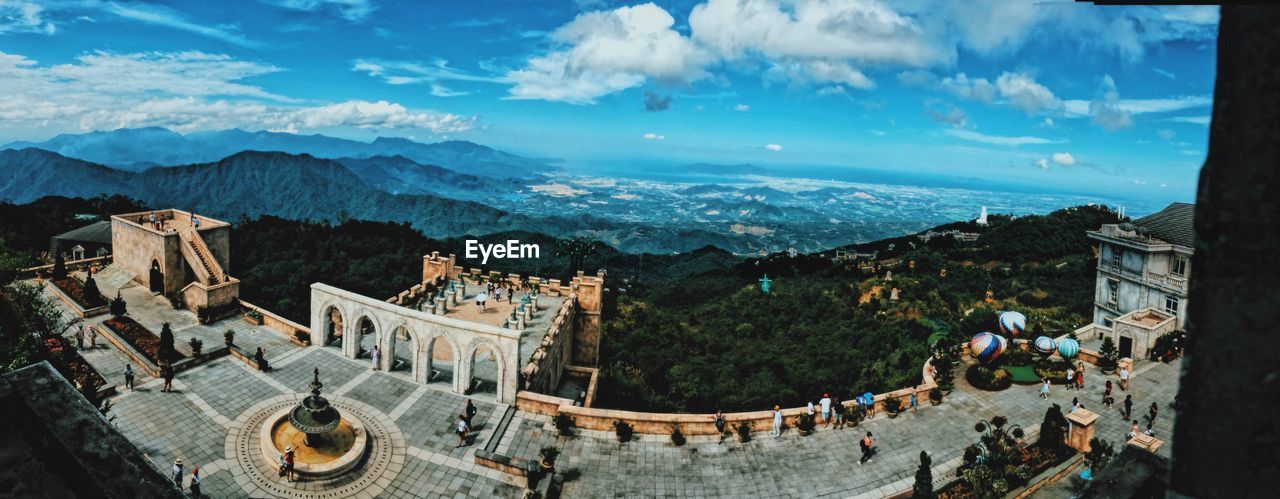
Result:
{"points": [[212, 403]]}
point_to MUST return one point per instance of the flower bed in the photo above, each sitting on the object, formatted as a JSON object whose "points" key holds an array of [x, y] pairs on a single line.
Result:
{"points": [[141, 339], [988, 378], [69, 362], [1034, 458], [75, 289], [1055, 370]]}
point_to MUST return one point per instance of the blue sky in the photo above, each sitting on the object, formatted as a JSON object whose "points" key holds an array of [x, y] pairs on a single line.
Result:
{"points": [[1087, 98]]}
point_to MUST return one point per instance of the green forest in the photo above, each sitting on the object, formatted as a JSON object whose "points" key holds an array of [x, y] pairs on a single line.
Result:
{"points": [[715, 340]]}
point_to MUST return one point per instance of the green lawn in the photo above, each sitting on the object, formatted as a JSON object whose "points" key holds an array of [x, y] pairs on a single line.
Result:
{"points": [[1024, 375]]}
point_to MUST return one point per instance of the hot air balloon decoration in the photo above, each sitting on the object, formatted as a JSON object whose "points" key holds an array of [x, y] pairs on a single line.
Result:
{"points": [[1013, 323], [986, 347], [1046, 346], [1068, 348]]}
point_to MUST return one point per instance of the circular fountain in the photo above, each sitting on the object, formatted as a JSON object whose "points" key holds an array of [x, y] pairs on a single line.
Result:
{"points": [[324, 441]]}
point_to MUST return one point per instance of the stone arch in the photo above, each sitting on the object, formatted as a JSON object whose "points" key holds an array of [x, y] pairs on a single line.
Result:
{"points": [[469, 361], [353, 347], [331, 330], [389, 343], [424, 362]]}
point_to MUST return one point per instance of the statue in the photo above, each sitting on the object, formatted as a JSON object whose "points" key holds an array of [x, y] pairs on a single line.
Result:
{"points": [[765, 283], [888, 275]]}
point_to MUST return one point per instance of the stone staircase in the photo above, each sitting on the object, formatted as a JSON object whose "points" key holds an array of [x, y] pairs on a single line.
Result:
{"points": [[199, 257]]}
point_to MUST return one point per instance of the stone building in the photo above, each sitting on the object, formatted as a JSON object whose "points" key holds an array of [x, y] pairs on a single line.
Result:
{"points": [[177, 253], [90, 241], [1143, 270]]}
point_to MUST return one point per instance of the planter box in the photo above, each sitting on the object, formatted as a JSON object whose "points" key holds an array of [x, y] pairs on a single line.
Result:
{"points": [[74, 306], [251, 320]]}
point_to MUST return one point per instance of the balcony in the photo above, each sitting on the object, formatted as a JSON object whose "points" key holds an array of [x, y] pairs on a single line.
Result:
{"points": [[1167, 282]]}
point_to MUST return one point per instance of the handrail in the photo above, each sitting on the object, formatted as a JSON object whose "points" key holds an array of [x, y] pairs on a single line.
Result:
{"points": [[202, 272], [190, 235]]}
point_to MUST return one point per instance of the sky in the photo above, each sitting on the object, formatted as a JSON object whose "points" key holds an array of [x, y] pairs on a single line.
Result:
{"points": [[1063, 95]]}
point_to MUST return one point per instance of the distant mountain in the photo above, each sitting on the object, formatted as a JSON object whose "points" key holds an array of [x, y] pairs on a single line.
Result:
{"points": [[401, 175], [29, 174], [715, 169], [139, 148]]}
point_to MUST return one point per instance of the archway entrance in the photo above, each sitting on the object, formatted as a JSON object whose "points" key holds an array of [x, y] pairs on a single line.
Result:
{"points": [[367, 336], [156, 281], [333, 327], [438, 362], [402, 349], [484, 371]]}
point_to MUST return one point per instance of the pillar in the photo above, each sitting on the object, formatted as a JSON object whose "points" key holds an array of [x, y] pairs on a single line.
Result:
{"points": [[1082, 428]]}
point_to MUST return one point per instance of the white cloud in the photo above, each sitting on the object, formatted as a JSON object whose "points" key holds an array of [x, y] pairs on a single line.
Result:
{"points": [[351, 10], [942, 112], [995, 139], [1064, 158], [411, 72], [184, 91], [1106, 111], [1165, 74], [443, 91], [1024, 93], [1076, 108], [773, 147], [820, 72], [1194, 120], [978, 89], [1166, 134], [599, 53], [741, 108], [24, 17], [917, 78], [161, 15], [654, 136], [878, 133], [832, 90], [1043, 163]]}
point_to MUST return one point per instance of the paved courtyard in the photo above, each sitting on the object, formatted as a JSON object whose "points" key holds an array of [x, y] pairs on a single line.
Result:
{"points": [[212, 403]]}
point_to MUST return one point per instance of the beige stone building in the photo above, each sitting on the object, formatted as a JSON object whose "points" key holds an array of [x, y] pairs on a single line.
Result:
{"points": [[172, 251]]}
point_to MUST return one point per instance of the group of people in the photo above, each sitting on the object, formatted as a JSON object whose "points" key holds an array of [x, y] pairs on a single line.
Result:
{"points": [[86, 331], [464, 427], [495, 290], [1075, 379], [176, 476]]}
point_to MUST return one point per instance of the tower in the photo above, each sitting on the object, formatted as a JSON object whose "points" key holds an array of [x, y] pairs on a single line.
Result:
{"points": [[982, 217]]}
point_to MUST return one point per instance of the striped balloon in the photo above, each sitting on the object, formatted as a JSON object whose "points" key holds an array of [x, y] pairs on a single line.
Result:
{"points": [[986, 347], [1068, 348], [1012, 323], [1045, 345]]}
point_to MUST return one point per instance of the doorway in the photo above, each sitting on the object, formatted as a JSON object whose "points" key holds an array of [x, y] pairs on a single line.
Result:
{"points": [[157, 278], [1126, 347]]}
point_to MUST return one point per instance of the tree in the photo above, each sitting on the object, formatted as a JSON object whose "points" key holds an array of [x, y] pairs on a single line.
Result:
{"points": [[1053, 431], [59, 267], [923, 488], [166, 341], [1100, 453], [118, 306], [1110, 355], [91, 291], [37, 314], [577, 249]]}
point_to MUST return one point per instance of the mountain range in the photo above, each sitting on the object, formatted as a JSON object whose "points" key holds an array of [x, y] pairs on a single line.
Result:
{"points": [[137, 149]]}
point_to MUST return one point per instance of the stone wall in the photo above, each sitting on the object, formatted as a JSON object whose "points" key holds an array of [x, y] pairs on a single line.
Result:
{"points": [[196, 295], [136, 246], [296, 333], [589, 293], [543, 371]]}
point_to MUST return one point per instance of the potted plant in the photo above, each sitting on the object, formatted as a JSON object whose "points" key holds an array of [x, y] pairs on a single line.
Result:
{"points": [[677, 436], [623, 430], [547, 457], [229, 337], [744, 431], [935, 396], [892, 405], [564, 423], [805, 425], [253, 317], [196, 346]]}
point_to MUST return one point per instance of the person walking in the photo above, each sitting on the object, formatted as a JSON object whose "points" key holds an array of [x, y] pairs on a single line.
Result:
{"points": [[720, 424], [1124, 378], [128, 376], [470, 412], [462, 430], [1071, 377], [868, 446], [1080, 378], [80, 338], [511, 294], [152, 217], [1128, 405], [93, 336], [166, 372], [1106, 393], [195, 482], [1044, 388], [825, 403], [375, 356], [1152, 411], [176, 474], [777, 421]]}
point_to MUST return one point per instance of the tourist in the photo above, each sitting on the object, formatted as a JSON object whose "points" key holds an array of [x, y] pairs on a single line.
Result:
{"points": [[1071, 377], [375, 355], [93, 336], [288, 463], [868, 446], [470, 412], [152, 217], [1080, 377], [511, 294], [1124, 378], [1151, 412], [166, 372], [462, 430], [177, 473], [777, 421], [1128, 403], [1149, 431], [1075, 404], [870, 402], [825, 403], [195, 222], [1133, 430], [914, 401], [1106, 394], [1107, 401], [1044, 388], [260, 357], [837, 411], [282, 464], [128, 376], [720, 424], [195, 482], [80, 338]]}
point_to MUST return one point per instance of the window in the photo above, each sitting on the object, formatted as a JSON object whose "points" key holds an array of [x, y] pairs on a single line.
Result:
{"points": [[1113, 291], [1171, 304], [1116, 256], [1179, 266]]}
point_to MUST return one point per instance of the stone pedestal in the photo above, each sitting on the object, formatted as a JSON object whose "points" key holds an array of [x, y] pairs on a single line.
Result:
{"points": [[1145, 442], [1082, 427]]}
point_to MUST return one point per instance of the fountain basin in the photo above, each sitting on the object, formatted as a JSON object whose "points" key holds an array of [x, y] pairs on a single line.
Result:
{"points": [[338, 451]]}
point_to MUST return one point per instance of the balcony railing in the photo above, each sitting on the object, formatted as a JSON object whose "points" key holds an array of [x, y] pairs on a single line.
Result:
{"points": [[1166, 281]]}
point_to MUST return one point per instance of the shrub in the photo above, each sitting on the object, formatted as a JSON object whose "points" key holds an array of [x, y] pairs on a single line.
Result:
{"points": [[805, 424], [1100, 453], [118, 306], [677, 437], [623, 430], [91, 289], [1053, 431], [892, 405], [549, 454], [175, 299], [1017, 358], [166, 340], [988, 378], [935, 395], [229, 337], [196, 345], [1110, 356], [923, 487], [744, 431], [564, 423], [59, 267]]}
